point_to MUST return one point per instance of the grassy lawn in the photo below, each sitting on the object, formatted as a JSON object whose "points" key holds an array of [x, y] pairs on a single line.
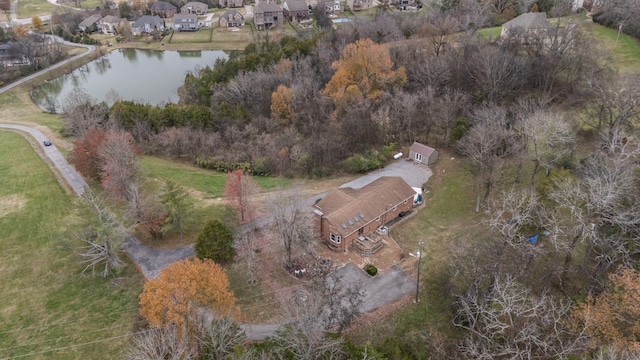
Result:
{"points": [[44, 303], [30, 8], [233, 40], [87, 4], [489, 33], [626, 53], [189, 176], [201, 36]]}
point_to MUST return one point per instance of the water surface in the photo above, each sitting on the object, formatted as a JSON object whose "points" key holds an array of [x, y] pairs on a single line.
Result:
{"points": [[145, 76]]}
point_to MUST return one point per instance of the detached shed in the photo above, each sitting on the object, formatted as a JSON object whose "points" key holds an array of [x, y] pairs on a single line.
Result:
{"points": [[423, 154]]}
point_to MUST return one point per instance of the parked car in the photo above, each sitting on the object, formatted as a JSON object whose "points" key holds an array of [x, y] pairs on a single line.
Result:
{"points": [[47, 143], [382, 230]]}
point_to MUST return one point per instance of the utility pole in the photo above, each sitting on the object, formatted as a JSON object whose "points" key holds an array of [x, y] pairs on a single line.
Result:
{"points": [[418, 279]]}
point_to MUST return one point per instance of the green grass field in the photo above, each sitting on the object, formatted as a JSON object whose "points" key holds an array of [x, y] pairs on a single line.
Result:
{"points": [[185, 37], [30, 8], [47, 308], [193, 177], [489, 33], [626, 53]]}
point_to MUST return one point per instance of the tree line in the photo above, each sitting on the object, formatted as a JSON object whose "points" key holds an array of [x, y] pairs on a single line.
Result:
{"points": [[545, 125]]}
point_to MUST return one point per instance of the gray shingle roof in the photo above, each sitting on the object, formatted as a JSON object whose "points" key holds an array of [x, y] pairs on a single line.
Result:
{"points": [[262, 8], [527, 21]]}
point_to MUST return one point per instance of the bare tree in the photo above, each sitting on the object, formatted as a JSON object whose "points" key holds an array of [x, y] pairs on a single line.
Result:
{"points": [[119, 165], [512, 323], [305, 336], [292, 221], [615, 107], [487, 144], [103, 236], [219, 339], [547, 136], [162, 343], [82, 112]]}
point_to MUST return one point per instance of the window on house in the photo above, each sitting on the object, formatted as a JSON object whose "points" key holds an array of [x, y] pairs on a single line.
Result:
{"points": [[335, 238], [378, 219], [395, 208]]}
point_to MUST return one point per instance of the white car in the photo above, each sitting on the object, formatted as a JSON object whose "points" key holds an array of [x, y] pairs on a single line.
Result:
{"points": [[382, 230]]}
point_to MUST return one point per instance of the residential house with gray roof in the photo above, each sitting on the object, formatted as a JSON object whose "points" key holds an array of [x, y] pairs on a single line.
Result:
{"points": [[147, 24]]}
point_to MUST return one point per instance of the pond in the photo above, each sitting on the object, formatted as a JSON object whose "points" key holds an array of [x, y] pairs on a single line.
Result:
{"points": [[145, 76]]}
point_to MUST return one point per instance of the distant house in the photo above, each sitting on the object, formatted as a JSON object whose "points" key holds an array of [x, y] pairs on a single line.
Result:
{"points": [[423, 154], [5, 51], [403, 4], [267, 16], [231, 3], [109, 24], [194, 7], [163, 9], [357, 5], [330, 7], [147, 24], [185, 22], [231, 18], [90, 24], [533, 23], [346, 216], [295, 10]]}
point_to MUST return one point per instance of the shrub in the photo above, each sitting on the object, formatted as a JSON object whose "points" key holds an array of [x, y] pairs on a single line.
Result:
{"points": [[360, 164], [215, 242], [371, 269]]}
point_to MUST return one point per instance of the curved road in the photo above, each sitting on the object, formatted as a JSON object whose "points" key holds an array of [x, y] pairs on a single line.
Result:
{"points": [[90, 49]]}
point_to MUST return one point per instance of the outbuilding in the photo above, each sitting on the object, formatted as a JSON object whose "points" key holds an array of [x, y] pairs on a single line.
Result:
{"points": [[423, 153]]}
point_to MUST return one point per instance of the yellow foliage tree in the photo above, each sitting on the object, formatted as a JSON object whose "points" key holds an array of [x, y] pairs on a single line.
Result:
{"points": [[20, 31], [281, 104], [182, 290], [36, 22], [364, 70], [613, 316]]}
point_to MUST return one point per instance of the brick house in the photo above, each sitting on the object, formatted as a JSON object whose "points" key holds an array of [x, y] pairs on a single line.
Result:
{"points": [[295, 10], [346, 215], [267, 16], [194, 7], [163, 9], [231, 18]]}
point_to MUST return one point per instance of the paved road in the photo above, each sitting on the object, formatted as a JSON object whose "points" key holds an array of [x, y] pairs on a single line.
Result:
{"points": [[70, 174], [90, 49]]}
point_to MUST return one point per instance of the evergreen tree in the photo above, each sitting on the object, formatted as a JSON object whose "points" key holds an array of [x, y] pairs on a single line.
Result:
{"points": [[178, 207], [215, 242]]}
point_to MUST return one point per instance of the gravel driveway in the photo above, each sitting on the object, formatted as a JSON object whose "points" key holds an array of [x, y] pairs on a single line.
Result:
{"points": [[415, 174]]}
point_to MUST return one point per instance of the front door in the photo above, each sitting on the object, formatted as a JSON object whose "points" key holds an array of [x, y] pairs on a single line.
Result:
{"points": [[418, 157]]}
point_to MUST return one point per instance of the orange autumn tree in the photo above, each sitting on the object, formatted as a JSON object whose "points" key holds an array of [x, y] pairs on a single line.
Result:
{"points": [[182, 290], [364, 70], [281, 104], [613, 316]]}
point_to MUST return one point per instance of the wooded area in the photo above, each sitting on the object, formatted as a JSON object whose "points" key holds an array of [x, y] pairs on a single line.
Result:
{"points": [[544, 122]]}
